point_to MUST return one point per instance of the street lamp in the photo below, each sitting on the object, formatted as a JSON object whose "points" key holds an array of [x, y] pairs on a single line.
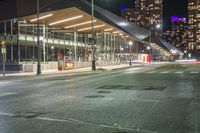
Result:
{"points": [[38, 39], [148, 48], [130, 43], [93, 40]]}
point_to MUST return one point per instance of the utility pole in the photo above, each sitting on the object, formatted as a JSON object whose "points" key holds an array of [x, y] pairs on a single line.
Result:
{"points": [[38, 39], [93, 40]]}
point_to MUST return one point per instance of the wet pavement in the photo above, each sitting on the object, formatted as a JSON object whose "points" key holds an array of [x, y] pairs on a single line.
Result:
{"points": [[143, 99]]}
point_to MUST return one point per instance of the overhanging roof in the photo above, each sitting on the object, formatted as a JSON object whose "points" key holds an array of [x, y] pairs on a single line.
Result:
{"points": [[101, 14], [165, 45]]}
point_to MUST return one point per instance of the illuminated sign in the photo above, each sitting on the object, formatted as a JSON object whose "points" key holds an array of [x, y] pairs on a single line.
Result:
{"points": [[175, 18], [123, 8]]}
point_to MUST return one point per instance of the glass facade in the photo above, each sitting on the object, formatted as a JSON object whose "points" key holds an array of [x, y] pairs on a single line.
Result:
{"points": [[22, 45]]}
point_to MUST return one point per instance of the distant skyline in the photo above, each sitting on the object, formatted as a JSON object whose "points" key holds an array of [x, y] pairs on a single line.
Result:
{"points": [[170, 8]]}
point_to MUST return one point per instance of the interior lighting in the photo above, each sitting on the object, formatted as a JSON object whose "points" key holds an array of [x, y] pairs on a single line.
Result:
{"points": [[95, 27], [80, 24], [115, 32], [42, 17], [110, 29], [66, 20]]}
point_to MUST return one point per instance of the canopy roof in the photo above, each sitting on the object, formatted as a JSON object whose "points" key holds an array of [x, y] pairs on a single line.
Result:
{"points": [[76, 15], [165, 45]]}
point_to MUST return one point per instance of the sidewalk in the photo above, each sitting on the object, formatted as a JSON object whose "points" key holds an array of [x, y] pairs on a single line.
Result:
{"points": [[87, 69]]}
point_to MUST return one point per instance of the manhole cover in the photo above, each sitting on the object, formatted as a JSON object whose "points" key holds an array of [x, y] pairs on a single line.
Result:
{"points": [[104, 92], [132, 87], [95, 96]]}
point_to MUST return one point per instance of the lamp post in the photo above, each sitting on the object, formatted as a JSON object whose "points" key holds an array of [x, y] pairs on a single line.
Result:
{"points": [[38, 40], [130, 43], [93, 40]]}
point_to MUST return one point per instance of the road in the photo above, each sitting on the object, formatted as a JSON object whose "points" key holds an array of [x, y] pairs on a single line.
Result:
{"points": [[148, 99]]}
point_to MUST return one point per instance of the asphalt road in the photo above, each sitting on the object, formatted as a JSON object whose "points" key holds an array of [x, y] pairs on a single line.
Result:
{"points": [[137, 100]]}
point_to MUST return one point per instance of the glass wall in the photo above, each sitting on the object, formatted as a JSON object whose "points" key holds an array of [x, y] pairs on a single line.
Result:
{"points": [[23, 48]]}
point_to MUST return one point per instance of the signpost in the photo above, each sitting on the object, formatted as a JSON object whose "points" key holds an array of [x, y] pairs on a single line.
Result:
{"points": [[3, 52]]}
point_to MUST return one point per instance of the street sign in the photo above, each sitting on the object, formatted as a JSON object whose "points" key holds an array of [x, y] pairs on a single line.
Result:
{"points": [[3, 50]]}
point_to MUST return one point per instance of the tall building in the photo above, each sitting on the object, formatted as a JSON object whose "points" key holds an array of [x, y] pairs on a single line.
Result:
{"points": [[147, 13], [194, 28], [177, 36]]}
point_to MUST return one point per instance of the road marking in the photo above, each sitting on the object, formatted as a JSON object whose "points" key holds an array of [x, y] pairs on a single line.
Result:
{"points": [[179, 72], [165, 72], [152, 72], [80, 122], [194, 72], [6, 114], [94, 124], [7, 94], [51, 119], [4, 82], [132, 70]]}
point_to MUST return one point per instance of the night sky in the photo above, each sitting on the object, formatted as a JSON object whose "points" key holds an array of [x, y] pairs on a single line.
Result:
{"points": [[171, 8]]}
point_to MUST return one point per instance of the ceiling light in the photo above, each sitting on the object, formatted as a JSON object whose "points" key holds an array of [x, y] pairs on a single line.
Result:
{"points": [[42, 17], [115, 32], [88, 28], [110, 29], [80, 24], [65, 20]]}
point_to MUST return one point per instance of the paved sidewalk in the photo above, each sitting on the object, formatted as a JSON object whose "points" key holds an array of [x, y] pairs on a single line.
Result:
{"points": [[87, 69]]}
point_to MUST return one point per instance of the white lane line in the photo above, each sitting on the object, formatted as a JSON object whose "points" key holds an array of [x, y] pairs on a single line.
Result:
{"points": [[7, 94], [6, 114], [89, 123], [132, 70], [179, 72], [4, 82], [165, 72], [194, 72], [152, 72], [79, 121], [51, 119]]}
